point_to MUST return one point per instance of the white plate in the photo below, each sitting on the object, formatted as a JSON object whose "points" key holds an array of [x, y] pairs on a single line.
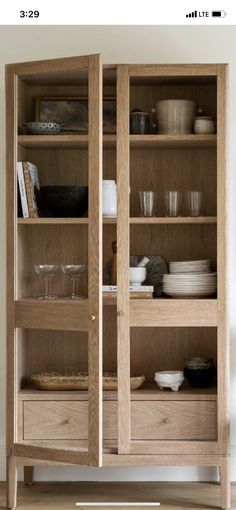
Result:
{"points": [[193, 276], [190, 286], [189, 294], [189, 262], [191, 267]]}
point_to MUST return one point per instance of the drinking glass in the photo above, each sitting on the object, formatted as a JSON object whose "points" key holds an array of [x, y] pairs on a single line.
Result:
{"points": [[47, 272], [148, 203], [194, 203], [75, 272], [173, 203]]}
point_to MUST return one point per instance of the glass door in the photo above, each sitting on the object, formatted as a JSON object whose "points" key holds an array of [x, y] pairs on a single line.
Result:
{"points": [[159, 331], [60, 333]]}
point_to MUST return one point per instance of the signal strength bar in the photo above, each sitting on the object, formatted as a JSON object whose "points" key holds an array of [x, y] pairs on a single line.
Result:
{"points": [[192, 15]]}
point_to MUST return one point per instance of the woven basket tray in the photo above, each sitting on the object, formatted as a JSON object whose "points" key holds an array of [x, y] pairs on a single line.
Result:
{"points": [[60, 381]]}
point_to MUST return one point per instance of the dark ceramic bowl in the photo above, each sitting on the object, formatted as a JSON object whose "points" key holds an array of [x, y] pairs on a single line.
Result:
{"points": [[200, 377], [64, 201]]}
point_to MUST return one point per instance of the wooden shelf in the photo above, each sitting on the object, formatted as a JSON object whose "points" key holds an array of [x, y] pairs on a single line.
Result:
{"points": [[72, 141], [172, 141], [61, 141], [180, 220], [70, 315], [148, 392]]}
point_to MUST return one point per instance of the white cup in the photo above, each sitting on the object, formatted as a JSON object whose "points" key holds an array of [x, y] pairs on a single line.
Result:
{"points": [[109, 199]]}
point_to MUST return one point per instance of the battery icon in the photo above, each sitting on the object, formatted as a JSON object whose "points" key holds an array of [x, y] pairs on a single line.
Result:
{"points": [[218, 14]]}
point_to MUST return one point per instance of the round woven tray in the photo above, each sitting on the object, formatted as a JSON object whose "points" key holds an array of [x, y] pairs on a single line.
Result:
{"points": [[60, 381]]}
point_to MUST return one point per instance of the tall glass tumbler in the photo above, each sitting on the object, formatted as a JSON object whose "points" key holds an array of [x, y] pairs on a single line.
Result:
{"points": [[173, 203], [148, 203], [194, 203]]}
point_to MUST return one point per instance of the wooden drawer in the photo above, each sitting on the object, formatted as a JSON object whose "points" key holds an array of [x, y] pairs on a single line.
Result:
{"points": [[173, 420], [64, 420]]}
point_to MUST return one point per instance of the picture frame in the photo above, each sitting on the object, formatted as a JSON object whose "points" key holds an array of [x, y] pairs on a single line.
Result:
{"points": [[72, 113]]}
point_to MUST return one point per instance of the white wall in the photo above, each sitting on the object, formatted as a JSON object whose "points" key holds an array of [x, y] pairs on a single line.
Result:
{"points": [[124, 45]]}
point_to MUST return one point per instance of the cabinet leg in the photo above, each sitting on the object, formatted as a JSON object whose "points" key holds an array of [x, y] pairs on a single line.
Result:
{"points": [[11, 482], [28, 475], [225, 483]]}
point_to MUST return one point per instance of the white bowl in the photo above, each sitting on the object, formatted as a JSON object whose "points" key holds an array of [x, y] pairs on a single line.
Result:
{"points": [[137, 275], [169, 379]]}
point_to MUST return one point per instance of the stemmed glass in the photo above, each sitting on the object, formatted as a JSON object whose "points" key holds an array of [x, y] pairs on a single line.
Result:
{"points": [[47, 272], [75, 272]]}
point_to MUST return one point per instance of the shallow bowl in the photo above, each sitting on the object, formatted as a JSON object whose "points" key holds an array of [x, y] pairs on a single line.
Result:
{"points": [[42, 128]]}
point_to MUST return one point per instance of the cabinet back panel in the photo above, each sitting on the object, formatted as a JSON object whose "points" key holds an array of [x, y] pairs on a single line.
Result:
{"points": [[145, 97], [175, 242], [51, 244], [44, 350], [154, 349], [61, 166], [151, 349], [28, 93], [36, 245], [178, 169]]}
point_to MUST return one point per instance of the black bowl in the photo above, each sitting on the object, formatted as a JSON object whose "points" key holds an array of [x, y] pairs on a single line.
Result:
{"points": [[64, 201], [200, 377]]}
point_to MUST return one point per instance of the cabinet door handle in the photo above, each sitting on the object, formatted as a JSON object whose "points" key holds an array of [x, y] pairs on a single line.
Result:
{"points": [[92, 317]]}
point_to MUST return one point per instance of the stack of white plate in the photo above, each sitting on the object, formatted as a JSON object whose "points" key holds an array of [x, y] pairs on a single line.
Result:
{"points": [[190, 279], [191, 266]]}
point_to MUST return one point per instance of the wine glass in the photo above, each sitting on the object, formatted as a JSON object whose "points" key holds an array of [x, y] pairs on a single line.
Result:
{"points": [[75, 272], [48, 272]]}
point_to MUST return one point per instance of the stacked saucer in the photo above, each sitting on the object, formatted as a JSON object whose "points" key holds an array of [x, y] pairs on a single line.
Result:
{"points": [[190, 279], [190, 266]]}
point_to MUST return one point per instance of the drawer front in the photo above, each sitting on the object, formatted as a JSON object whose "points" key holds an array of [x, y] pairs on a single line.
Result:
{"points": [[64, 420], [174, 420], [156, 420]]}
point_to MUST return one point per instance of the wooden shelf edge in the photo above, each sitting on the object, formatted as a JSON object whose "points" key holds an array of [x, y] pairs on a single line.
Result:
{"points": [[52, 221], [136, 141], [173, 141], [180, 220], [148, 392], [61, 141]]}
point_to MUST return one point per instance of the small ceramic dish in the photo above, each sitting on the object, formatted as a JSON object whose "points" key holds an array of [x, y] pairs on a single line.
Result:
{"points": [[42, 128], [169, 379]]}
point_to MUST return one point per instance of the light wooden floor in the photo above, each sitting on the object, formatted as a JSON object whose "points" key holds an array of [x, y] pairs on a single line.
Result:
{"points": [[172, 496]]}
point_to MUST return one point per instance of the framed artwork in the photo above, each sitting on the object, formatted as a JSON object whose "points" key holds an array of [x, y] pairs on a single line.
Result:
{"points": [[72, 113]]}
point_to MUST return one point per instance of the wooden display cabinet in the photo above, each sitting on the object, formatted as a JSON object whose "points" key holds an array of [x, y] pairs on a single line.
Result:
{"points": [[146, 427]]}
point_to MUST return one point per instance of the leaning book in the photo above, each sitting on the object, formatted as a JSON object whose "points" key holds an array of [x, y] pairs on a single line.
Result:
{"points": [[22, 189], [32, 185]]}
